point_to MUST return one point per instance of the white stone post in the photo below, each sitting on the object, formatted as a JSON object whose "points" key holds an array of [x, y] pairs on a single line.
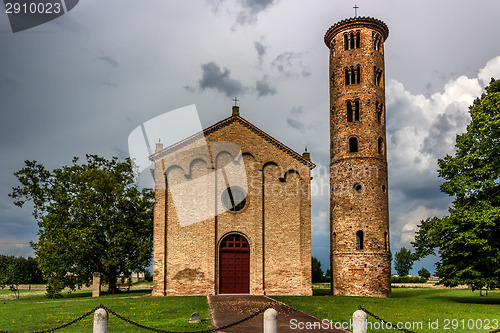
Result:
{"points": [[359, 322], [271, 321], [100, 321]]}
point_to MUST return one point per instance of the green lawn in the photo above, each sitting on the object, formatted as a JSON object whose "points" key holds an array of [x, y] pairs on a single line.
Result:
{"points": [[33, 311], [409, 306]]}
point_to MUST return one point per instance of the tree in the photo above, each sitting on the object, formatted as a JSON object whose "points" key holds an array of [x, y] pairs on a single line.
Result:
{"points": [[91, 218], [468, 239], [13, 273], [424, 273], [317, 272], [403, 262]]}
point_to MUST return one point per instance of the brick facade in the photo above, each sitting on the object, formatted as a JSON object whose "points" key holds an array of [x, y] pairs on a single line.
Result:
{"points": [[359, 219], [276, 218]]}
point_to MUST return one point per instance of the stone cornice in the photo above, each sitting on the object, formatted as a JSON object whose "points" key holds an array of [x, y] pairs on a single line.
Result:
{"points": [[356, 22]]}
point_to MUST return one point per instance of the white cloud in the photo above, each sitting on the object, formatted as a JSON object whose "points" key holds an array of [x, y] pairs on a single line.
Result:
{"points": [[420, 130]]}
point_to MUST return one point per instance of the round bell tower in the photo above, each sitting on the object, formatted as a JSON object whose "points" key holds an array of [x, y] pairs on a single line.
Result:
{"points": [[359, 218]]}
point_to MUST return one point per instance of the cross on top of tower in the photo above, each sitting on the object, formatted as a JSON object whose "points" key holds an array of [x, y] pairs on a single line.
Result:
{"points": [[355, 10], [235, 100]]}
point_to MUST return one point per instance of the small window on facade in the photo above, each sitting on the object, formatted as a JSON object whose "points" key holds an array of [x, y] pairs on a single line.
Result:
{"points": [[334, 241], [346, 42], [347, 77], [380, 146], [376, 38], [378, 108], [349, 112], [377, 76], [358, 38], [353, 145], [358, 188], [234, 199], [359, 240], [386, 240], [358, 74]]}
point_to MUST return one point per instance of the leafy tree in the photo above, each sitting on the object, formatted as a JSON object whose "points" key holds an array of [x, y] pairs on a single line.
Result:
{"points": [[403, 261], [468, 239], [317, 272], [328, 275], [13, 274], [91, 218], [424, 272]]}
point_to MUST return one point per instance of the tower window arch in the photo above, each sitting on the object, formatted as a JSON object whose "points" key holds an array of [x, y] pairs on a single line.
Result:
{"points": [[380, 146], [352, 75], [352, 40], [376, 41], [377, 76], [334, 241], [353, 145], [379, 108], [353, 111], [359, 240]]}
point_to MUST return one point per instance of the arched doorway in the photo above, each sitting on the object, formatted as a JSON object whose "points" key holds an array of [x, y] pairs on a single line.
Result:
{"points": [[234, 265]]}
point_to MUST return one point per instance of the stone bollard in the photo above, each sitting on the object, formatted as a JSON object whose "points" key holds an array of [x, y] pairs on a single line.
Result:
{"points": [[100, 321], [359, 322], [271, 321]]}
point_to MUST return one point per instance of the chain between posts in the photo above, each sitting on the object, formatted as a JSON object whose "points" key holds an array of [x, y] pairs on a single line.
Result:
{"points": [[394, 326], [215, 329]]}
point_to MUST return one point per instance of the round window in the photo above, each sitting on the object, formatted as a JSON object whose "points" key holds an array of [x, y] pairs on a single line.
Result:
{"points": [[234, 199]]}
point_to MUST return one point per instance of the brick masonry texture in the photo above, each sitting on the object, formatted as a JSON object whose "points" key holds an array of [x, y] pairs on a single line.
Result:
{"points": [[276, 219], [359, 191]]}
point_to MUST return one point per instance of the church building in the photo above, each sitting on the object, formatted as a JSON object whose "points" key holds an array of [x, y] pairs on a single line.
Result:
{"points": [[246, 229]]}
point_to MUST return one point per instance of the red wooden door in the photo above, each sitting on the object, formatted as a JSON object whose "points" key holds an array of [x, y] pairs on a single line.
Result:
{"points": [[234, 265]]}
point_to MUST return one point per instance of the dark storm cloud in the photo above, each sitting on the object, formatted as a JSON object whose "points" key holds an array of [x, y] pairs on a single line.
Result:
{"points": [[264, 88], [261, 50], [108, 60], [295, 123], [214, 78], [290, 64]]}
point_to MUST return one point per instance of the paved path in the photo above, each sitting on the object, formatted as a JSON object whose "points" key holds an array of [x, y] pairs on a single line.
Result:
{"points": [[227, 309]]}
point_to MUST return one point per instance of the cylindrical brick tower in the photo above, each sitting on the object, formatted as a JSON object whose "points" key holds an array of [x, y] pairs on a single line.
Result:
{"points": [[359, 219]]}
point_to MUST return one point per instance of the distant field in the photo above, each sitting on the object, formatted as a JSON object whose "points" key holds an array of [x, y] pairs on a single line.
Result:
{"points": [[424, 309]]}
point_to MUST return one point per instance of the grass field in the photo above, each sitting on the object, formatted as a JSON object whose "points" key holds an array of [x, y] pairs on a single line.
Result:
{"points": [[421, 309], [33, 311]]}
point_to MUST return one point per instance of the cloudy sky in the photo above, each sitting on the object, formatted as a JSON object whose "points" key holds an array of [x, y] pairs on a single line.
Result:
{"points": [[81, 83]]}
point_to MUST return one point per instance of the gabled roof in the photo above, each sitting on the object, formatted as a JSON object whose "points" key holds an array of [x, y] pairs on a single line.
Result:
{"points": [[226, 122]]}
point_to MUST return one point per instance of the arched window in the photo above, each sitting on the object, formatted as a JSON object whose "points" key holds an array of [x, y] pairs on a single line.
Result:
{"points": [[386, 240], [334, 241], [378, 108], [349, 112], [376, 39], [353, 145], [377, 76], [352, 75], [353, 111], [359, 240], [352, 40], [380, 146]]}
